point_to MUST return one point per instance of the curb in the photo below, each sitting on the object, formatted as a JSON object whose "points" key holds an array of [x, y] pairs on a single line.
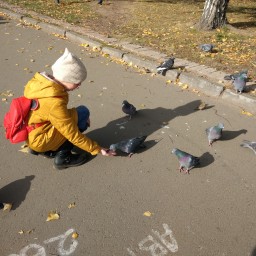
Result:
{"points": [[198, 77]]}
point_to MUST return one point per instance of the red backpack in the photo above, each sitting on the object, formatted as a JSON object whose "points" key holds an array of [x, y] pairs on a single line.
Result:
{"points": [[16, 120]]}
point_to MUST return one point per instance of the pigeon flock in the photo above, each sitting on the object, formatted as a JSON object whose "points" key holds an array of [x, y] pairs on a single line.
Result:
{"points": [[214, 133]]}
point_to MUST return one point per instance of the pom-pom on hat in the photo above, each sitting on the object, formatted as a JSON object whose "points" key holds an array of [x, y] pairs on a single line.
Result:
{"points": [[69, 68]]}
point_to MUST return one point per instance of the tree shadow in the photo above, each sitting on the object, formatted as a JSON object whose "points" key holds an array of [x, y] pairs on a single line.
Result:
{"points": [[206, 159], [145, 122], [16, 191], [229, 135]]}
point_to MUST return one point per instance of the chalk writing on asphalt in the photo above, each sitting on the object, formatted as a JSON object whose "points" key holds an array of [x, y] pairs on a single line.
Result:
{"points": [[39, 250], [159, 245]]}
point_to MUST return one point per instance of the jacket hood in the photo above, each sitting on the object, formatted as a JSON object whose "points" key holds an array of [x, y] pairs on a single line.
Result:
{"points": [[40, 87]]}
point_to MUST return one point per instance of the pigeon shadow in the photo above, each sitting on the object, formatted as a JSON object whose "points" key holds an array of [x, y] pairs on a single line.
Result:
{"points": [[229, 135], [253, 252], [205, 160], [16, 191], [145, 122]]}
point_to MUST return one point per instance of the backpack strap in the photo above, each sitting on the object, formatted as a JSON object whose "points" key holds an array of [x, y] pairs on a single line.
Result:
{"points": [[32, 127]]}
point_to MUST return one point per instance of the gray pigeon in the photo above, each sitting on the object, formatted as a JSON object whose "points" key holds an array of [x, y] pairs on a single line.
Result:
{"points": [[249, 144], [214, 133], [128, 108], [187, 161], [166, 65], [206, 47], [240, 82], [235, 75], [129, 146]]}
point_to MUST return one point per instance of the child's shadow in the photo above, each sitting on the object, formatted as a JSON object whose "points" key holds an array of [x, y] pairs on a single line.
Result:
{"points": [[145, 122], [16, 191]]}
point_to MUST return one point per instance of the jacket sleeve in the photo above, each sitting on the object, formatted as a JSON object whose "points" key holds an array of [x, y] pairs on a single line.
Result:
{"points": [[65, 121]]}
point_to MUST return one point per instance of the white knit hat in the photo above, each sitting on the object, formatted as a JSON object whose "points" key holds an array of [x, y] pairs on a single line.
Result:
{"points": [[69, 68]]}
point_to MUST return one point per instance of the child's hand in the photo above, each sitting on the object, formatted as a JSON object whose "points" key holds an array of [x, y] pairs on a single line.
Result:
{"points": [[107, 152]]}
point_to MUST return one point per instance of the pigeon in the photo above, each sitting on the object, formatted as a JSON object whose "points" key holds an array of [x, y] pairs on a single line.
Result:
{"points": [[249, 144], [214, 133], [129, 146], [187, 161], [206, 47], [240, 82], [166, 65], [128, 108], [235, 75]]}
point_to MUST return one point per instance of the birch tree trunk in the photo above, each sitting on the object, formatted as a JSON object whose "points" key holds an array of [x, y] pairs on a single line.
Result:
{"points": [[214, 14]]}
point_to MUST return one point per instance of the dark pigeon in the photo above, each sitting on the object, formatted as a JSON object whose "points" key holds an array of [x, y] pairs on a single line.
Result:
{"points": [[129, 146], [128, 109], [166, 65], [249, 144], [206, 47], [235, 75], [186, 160], [214, 133]]}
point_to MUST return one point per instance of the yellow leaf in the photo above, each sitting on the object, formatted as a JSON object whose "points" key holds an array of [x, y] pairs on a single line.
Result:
{"points": [[21, 232], [7, 207], [168, 81], [147, 213], [75, 235], [72, 205], [184, 87], [246, 113], [53, 216]]}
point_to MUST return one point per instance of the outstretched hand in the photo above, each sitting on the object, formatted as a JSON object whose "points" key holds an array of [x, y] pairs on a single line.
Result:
{"points": [[107, 152]]}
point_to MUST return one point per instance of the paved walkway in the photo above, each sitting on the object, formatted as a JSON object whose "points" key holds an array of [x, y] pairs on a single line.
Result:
{"points": [[205, 79]]}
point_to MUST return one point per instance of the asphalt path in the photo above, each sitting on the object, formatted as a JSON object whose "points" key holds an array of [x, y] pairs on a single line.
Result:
{"points": [[119, 205]]}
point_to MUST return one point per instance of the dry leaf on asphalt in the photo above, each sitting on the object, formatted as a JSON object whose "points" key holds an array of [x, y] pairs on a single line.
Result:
{"points": [[53, 216], [21, 232], [72, 205], [147, 213], [7, 207], [201, 106], [246, 113], [75, 235]]}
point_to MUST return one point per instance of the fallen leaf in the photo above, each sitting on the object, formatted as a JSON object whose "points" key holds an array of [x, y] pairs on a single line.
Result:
{"points": [[184, 87], [75, 235], [7, 207], [21, 232], [147, 213], [53, 216], [72, 205], [168, 81], [246, 113]]}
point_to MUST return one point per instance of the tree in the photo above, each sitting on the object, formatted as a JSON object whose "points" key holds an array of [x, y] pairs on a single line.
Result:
{"points": [[214, 14]]}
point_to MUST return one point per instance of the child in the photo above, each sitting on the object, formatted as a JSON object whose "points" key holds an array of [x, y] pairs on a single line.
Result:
{"points": [[55, 129]]}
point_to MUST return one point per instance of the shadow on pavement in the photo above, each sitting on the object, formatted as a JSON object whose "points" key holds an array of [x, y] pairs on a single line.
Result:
{"points": [[16, 191], [205, 160], [145, 122], [229, 135]]}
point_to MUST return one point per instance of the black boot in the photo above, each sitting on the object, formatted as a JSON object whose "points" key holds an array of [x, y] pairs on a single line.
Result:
{"points": [[65, 159], [47, 154]]}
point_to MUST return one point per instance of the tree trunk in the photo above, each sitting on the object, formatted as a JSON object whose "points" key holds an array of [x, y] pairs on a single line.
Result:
{"points": [[214, 14]]}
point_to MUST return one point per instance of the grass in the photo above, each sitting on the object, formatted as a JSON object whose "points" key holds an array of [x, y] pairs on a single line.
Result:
{"points": [[165, 25]]}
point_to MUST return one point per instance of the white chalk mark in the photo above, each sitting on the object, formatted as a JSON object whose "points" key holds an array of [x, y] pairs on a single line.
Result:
{"points": [[131, 252], [39, 248], [62, 239], [154, 248], [172, 245]]}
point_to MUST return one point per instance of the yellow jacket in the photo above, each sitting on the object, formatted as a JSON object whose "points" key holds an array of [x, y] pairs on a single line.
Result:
{"points": [[62, 125]]}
